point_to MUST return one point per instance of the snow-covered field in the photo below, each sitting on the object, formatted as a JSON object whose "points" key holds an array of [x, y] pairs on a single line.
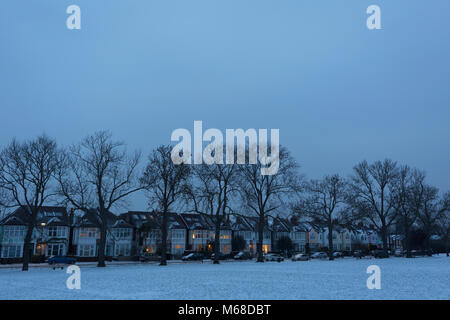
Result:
{"points": [[401, 278]]}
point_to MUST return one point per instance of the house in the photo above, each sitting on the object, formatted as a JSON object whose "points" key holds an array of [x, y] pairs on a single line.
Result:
{"points": [[344, 239], [315, 237], [297, 235], [374, 239], [225, 233], [200, 231], [396, 241], [359, 240], [280, 229], [241, 227], [86, 235], [50, 236], [267, 234], [147, 230]]}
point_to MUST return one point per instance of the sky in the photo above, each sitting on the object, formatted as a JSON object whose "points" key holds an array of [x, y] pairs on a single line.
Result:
{"points": [[338, 92]]}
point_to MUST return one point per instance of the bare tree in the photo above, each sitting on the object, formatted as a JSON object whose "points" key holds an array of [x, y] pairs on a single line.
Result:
{"points": [[164, 182], [26, 172], [210, 193], [321, 204], [371, 195], [406, 201], [263, 194], [443, 221], [98, 173], [4, 200]]}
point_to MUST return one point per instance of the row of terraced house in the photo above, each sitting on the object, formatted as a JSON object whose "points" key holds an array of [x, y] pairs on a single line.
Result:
{"points": [[61, 232]]}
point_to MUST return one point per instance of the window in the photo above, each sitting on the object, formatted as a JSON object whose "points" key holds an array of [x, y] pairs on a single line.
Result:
{"points": [[225, 236], [57, 232], [12, 251], [122, 233], [178, 234], [88, 233], [14, 232], [55, 249], [86, 250], [122, 250], [200, 234]]}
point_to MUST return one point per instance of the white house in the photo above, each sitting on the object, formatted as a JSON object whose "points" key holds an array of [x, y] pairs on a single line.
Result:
{"points": [[86, 236], [50, 236]]}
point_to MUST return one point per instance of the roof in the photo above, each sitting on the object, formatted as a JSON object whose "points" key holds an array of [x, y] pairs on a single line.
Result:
{"points": [[197, 221], [254, 222], [152, 220], [281, 225], [91, 218], [50, 215], [239, 223], [294, 225]]}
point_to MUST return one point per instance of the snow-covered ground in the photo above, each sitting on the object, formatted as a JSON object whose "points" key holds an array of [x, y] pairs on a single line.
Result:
{"points": [[401, 278]]}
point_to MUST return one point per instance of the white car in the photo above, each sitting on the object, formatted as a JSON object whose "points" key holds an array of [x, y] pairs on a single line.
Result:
{"points": [[300, 257], [319, 255], [273, 257]]}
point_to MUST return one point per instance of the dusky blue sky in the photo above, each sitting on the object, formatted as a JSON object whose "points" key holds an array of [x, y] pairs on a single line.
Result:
{"points": [[338, 92]]}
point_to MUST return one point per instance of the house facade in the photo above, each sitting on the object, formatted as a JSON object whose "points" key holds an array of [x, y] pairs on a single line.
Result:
{"points": [[86, 236], [267, 234], [241, 227], [200, 232], [51, 234]]}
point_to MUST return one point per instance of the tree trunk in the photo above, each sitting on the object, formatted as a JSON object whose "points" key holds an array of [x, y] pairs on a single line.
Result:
{"points": [[446, 246], [260, 257], [102, 243], [27, 247], [164, 239], [217, 241], [384, 239], [407, 242], [330, 242], [428, 241]]}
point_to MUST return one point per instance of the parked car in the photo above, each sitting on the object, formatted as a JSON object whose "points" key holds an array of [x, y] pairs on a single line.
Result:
{"points": [[242, 256], [146, 256], [379, 254], [417, 253], [358, 254], [338, 254], [60, 260], [273, 257], [300, 257], [319, 255], [398, 253], [222, 256], [193, 256], [347, 253]]}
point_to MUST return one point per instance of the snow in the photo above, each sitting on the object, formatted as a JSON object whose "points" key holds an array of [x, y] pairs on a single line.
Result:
{"points": [[401, 278]]}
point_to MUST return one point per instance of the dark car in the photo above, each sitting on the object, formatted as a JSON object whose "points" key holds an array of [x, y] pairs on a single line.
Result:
{"points": [[60, 260], [193, 256], [222, 256], [147, 256], [380, 254], [358, 254], [338, 254], [242, 256]]}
